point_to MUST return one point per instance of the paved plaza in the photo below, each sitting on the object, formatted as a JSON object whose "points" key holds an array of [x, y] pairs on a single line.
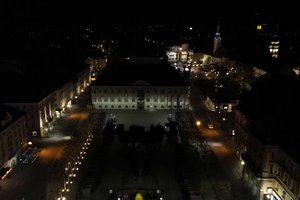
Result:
{"points": [[140, 117]]}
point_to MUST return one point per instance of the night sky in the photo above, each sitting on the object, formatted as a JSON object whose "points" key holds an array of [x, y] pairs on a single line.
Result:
{"points": [[236, 18], [143, 11]]}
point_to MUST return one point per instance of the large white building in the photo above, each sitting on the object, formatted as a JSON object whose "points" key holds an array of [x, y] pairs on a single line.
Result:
{"points": [[140, 84]]}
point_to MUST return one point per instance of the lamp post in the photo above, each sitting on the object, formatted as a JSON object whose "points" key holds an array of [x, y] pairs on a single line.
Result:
{"points": [[66, 189], [61, 197]]}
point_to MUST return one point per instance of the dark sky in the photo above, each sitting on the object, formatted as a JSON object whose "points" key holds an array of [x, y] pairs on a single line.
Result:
{"points": [[119, 12]]}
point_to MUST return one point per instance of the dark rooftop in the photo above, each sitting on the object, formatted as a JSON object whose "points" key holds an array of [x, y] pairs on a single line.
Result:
{"points": [[272, 108], [145, 71], [8, 115], [23, 81]]}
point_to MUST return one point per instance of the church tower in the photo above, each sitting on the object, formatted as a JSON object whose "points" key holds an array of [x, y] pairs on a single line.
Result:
{"points": [[217, 39]]}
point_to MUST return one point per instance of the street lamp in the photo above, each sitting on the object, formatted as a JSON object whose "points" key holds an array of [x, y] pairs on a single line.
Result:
{"points": [[65, 189], [242, 162], [71, 168], [61, 197], [198, 123]]}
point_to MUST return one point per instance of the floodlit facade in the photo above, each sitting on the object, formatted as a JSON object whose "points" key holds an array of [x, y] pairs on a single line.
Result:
{"points": [[270, 171], [140, 86], [13, 137], [140, 96], [50, 103]]}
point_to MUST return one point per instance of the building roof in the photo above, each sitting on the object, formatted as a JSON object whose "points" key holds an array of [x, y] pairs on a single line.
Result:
{"points": [[272, 108], [140, 72], [8, 115], [33, 81]]}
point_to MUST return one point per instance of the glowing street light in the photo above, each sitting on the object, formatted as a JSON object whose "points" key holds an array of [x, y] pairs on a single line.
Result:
{"points": [[61, 197], [198, 123], [233, 133], [65, 189]]}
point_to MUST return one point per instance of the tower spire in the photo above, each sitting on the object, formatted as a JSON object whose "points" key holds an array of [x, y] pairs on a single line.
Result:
{"points": [[217, 38]]}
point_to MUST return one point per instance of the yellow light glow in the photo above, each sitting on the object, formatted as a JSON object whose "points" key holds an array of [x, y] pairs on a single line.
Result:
{"points": [[198, 123], [258, 27]]}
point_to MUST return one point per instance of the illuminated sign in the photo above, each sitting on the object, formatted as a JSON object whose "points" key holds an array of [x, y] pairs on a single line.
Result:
{"points": [[258, 27], [138, 196]]}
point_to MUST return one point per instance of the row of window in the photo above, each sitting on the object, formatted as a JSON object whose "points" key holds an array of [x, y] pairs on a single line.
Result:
{"points": [[105, 91], [127, 106], [112, 106], [105, 99]]}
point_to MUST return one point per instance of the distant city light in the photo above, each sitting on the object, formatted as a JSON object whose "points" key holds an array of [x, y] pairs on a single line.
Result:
{"points": [[259, 27], [191, 28]]}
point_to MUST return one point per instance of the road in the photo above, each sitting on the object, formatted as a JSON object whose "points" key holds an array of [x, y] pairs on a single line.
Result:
{"points": [[225, 172], [29, 181]]}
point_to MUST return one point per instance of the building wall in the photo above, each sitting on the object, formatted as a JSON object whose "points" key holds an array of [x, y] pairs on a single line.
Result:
{"points": [[41, 115], [83, 80], [32, 117], [117, 97], [280, 175], [269, 171], [96, 64], [64, 95], [46, 113], [179, 54], [12, 140]]}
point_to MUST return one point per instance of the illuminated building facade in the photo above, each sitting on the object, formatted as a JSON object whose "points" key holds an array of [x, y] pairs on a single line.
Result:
{"points": [[140, 85], [45, 96], [179, 54], [265, 137], [274, 48], [13, 137], [96, 65], [269, 170]]}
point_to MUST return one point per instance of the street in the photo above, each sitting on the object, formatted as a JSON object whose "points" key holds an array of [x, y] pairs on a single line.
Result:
{"points": [[224, 172], [29, 180]]}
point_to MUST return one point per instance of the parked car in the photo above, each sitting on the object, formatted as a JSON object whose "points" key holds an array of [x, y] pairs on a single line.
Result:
{"points": [[210, 126]]}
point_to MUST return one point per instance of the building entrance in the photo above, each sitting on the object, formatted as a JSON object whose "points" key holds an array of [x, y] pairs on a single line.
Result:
{"points": [[140, 99]]}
